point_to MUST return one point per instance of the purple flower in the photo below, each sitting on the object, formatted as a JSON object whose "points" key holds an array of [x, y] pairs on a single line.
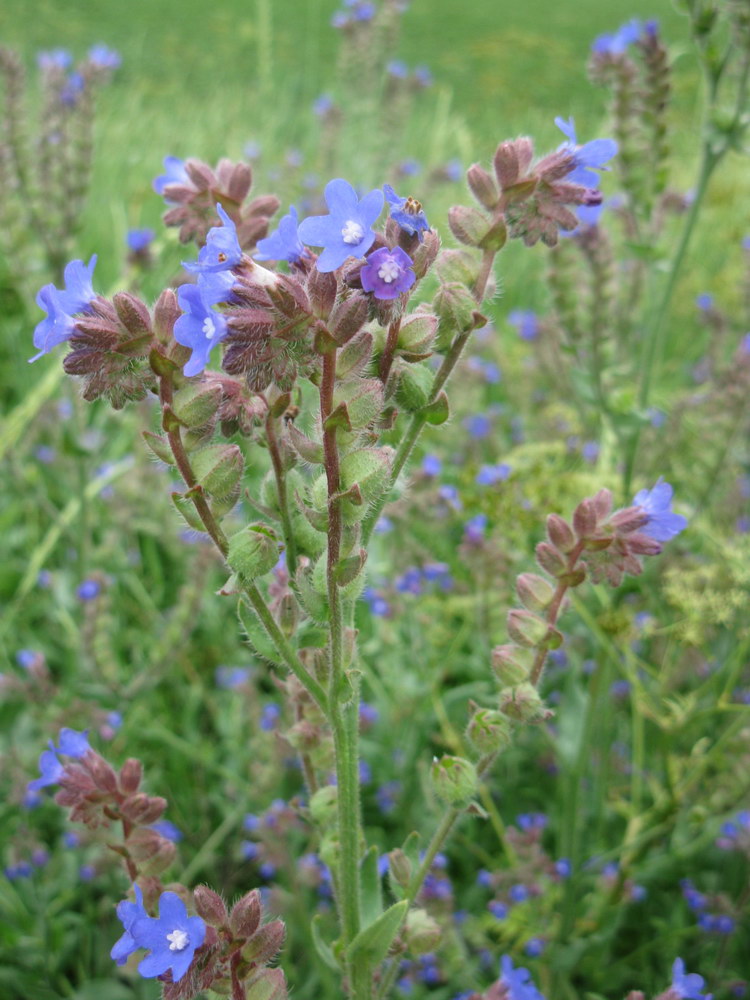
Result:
{"points": [[138, 240], [526, 322], [167, 830], [704, 301], [615, 44], [200, 327], [534, 947], [662, 524], [591, 156], [51, 771], [128, 913], [230, 678], [346, 231], [26, 658], [61, 306], [174, 173], [563, 867], [72, 743], [88, 590], [489, 475], [517, 981], [284, 243], [270, 716], [478, 426], [104, 58], [407, 212], [222, 250], [74, 86], [54, 59], [431, 465], [687, 985], [397, 68], [498, 910], [475, 528], [388, 273], [423, 76], [172, 938]]}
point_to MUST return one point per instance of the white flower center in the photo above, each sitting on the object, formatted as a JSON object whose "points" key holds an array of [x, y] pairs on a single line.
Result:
{"points": [[178, 940], [352, 232], [389, 270], [209, 328]]}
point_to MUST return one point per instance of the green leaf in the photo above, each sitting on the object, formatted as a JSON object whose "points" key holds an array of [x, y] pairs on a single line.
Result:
{"points": [[437, 412], [372, 943], [371, 888], [322, 947]]}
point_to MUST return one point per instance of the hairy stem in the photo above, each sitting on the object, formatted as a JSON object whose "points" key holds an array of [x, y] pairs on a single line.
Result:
{"points": [[553, 611], [278, 470]]}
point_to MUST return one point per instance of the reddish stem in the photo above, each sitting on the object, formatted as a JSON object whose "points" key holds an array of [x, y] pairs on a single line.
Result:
{"points": [[554, 610]]}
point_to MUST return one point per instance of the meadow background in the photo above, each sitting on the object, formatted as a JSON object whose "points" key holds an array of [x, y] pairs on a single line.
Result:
{"points": [[82, 501]]}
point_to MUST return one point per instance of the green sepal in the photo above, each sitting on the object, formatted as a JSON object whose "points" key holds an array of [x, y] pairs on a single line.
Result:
{"points": [[338, 418], [187, 509], [159, 446], [372, 943], [324, 950], [410, 847], [438, 411], [255, 634], [371, 889]]}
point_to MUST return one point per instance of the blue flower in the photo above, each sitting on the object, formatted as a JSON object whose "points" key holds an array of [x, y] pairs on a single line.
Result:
{"points": [[388, 273], [72, 743], [489, 475], [517, 981], [526, 322], [54, 59], [61, 306], [284, 243], [222, 250], [346, 231], [172, 938], [687, 985], [51, 771], [167, 830], [397, 68], [589, 157], [662, 524], [104, 58], [138, 240], [88, 590], [431, 465], [615, 44], [74, 86], [128, 913], [407, 212], [174, 173], [200, 327]]}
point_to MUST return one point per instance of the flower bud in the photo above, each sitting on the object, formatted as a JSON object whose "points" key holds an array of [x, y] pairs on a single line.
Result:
{"points": [[131, 773], [422, 932], [166, 313], [454, 779], [268, 984], [468, 225], [526, 628], [347, 318], [364, 401], [643, 545], [534, 592], [196, 403], [456, 310], [322, 287], [584, 519], [133, 314], [457, 265], [423, 257], [323, 805], [550, 559], [560, 533], [265, 943], [159, 446], [253, 551], [370, 469], [210, 906], [218, 468], [416, 336], [602, 502], [629, 519], [496, 236], [488, 731], [482, 186], [511, 160], [508, 665], [522, 703], [414, 387], [400, 867], [101, 772], [288, 615], [354, 358], [245, 916]]}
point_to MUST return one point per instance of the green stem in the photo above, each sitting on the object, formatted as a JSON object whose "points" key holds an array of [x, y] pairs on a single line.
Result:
{"points": [[343, 703], [278, 469], [283, 646], [418, 421]]}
